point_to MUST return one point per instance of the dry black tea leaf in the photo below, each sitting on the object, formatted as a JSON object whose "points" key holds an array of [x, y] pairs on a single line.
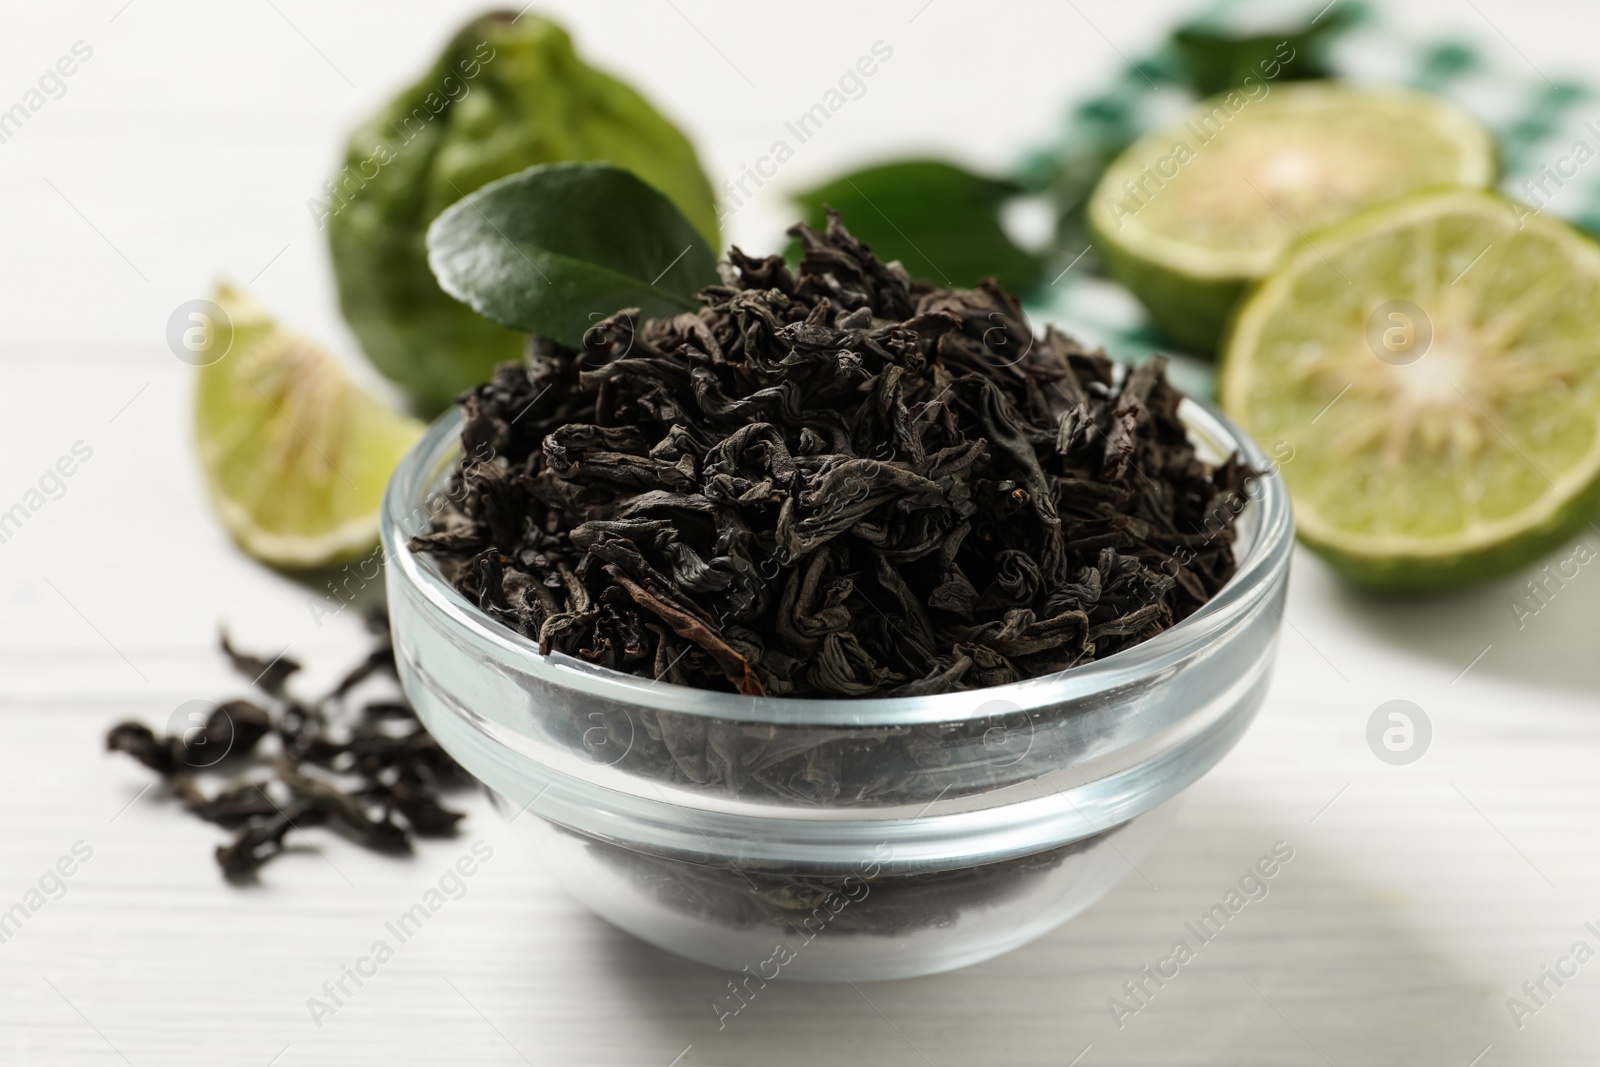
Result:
{"points": [[270, 676], [139, 741], [262, 839]]}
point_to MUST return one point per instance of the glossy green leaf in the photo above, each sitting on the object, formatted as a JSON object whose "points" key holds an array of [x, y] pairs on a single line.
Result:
{"points": [[556, 248], [940, 221], [1216, 56]]}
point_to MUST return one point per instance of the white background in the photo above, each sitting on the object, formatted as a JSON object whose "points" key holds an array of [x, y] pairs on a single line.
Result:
{"points": [[184, 151]]}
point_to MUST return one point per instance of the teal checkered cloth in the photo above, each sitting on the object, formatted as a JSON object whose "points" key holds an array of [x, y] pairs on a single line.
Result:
{"points": [[1540, 121]]}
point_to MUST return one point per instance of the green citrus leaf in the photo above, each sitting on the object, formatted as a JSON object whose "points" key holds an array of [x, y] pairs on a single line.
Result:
{"points": [[556, 248], [940, 221]]}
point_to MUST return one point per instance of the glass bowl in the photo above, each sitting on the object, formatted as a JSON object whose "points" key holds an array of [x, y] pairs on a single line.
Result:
{"points": [[838, 839]]}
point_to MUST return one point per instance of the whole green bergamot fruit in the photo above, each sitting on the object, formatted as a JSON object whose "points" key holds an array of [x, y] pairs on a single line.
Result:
{"points": [[509, 92]]}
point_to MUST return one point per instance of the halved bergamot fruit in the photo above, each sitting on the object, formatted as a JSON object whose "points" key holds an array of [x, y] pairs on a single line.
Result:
{"points": [[296, 457], [1191, 215], [1433, 369]]}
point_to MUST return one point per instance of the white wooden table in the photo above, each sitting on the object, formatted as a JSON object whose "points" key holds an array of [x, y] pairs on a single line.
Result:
{"points": [[1419, 898]]}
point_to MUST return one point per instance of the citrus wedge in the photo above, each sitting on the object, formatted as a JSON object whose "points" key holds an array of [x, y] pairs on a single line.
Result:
{"points": [[1189, 216], [1433, 369], [295, 456]]}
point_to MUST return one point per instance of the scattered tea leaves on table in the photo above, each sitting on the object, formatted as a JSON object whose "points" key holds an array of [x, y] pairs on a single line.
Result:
{"points": [[270, 766]]}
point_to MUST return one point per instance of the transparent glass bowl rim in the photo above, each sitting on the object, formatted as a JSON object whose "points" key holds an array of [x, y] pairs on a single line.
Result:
{"points": [[428, 464]]}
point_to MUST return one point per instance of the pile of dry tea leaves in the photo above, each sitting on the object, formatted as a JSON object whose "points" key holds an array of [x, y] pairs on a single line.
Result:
{"points": [[279, 763], [836, 482]]}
